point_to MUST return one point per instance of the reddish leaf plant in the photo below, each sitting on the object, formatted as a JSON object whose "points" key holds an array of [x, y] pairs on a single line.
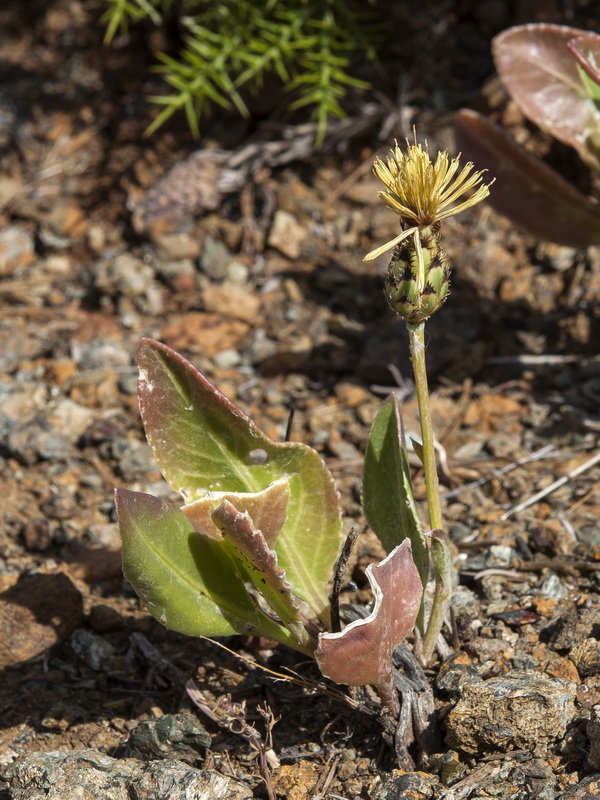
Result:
{"points": [[254, 545], [552, 72]]}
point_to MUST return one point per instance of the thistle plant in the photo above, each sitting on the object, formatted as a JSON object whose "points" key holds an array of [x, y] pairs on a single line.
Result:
{"points": [[422, 193], [254, 545]]}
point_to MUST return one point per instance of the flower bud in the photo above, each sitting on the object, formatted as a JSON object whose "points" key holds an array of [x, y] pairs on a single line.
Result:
{"points": [[417, 280]]}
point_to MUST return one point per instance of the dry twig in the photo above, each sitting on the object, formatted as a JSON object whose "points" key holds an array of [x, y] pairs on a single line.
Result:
{"points": [[552, 487]]}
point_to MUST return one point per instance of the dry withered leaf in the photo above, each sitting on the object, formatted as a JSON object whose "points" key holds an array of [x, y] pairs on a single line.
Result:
{"points": [[362, 653]]}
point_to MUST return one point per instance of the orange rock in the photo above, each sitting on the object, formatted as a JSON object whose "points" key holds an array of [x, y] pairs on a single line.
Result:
{"points": [[59, 372], [563, 668], [36, 612], [232, 302], [544, 606], [295, 781], [205, 333]]}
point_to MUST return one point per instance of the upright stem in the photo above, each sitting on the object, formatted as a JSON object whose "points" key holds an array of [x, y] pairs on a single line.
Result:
{"points": [[416, 337], [441, 558]]}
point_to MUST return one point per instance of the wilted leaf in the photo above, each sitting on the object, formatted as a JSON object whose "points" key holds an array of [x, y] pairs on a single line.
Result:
{"points": [[203, 443], [187, 581], [258, 563], [267, 509], [526, 190], [388, 499], [541, 74], [362, 653]]}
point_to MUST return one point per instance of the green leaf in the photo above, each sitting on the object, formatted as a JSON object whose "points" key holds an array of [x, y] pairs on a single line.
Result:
{"points": [[187, 581], [388, 499], [203, 443]]}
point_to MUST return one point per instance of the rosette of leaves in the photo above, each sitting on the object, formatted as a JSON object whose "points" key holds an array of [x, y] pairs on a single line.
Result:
{"points": [[229, 48], [552, 72], [254, 545]]}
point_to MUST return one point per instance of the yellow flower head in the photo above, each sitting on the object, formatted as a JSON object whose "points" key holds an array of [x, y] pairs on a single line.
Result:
{"points": [[423, 193]]}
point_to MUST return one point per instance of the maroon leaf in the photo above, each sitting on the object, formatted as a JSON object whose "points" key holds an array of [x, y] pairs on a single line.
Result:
{"points": [[541, 74], [362, 653], [526, 190]]}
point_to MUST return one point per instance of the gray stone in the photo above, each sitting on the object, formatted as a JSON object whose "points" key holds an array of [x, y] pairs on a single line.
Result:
{"points": [[592, 730], [89, 775], [499, 556], [100, 353], [570, 629], [134, 458], [94, 650], [520, 710], [215, 258], [587, 789], [178, 736], [176, 781], [586, 657], [83, 774], [227, 359], [455, 672], [32, 440], [533, 780], [69, 419], [413, 785], [590, 534], [123, 274]]}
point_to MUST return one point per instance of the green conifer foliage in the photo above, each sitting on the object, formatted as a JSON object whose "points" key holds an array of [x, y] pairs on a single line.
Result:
{"points": [[230, 46]]}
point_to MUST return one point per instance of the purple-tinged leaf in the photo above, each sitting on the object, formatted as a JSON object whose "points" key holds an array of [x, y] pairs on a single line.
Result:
{"points": [[267, 509], [542, 76], [187, 581], [258, 562], [362, 653], [203, 443], [526, 190]]}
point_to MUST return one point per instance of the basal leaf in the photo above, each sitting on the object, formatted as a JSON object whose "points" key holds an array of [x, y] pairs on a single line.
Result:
{"points": [[388, 499], [362, 653], [187, 581], [541, 74], [203, 443], [526, 190]]}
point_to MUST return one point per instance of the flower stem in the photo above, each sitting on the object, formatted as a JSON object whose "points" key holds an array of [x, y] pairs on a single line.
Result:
{"points": [[441, 552], [416, 336]]}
